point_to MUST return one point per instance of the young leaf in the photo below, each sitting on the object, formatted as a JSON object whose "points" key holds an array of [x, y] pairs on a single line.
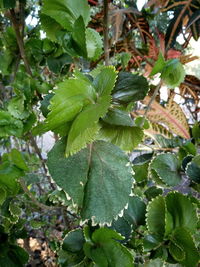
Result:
{"points": [[97, 179], [94, 44], [173, 74], [85, 127], [159, 65], [70, 97]]}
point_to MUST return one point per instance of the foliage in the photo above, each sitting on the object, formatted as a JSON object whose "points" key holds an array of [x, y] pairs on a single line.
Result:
{"points": [[86, 79]]}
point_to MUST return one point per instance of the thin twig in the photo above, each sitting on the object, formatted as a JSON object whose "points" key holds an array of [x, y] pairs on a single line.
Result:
{"points": [[151, 101], [105, 32], [180, 16], [20, 41], [39, 204]]}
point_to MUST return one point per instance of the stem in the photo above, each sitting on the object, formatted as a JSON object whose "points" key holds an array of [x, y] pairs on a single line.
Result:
{"points": [[105, 31], [39, 204], [177, 22], [37, 150], [20, 41], [151, 101]]}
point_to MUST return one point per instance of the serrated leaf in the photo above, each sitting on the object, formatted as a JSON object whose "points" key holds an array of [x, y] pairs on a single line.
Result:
{"points": [[167, 167], [14, 209], [127, 138], [112, 252], [193, 169], [36, 224], [70, 97], [16, 108], [85, 127], [104, 82], [73, 241], [94, 44], [156, 216], [184, 240], [153, 192], [8, 177], [18, 160], [151, 242], [9, 125], [176, 251], [130, 87], [3, 195], [182, 211], [66, 12], [96, 178], [159, 65]]}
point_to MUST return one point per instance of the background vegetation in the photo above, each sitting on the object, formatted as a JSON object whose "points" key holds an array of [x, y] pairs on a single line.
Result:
{"points": [[107, 86]]}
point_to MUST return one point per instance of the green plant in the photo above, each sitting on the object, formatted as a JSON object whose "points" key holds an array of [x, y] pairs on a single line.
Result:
{"points": [[95, 99]]}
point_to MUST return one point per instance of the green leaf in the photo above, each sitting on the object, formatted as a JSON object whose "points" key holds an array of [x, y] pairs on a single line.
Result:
{"points": [[56, 64], [94, 44], [9, 126], [182, 211], [66, 12], [104, 82], [16, 108], [135, 214], [79, 37], [84, 128], [18, 160], [14, 209], [36, 224], [69, 99], [73, 241], [50, 26], [9, 3], [176, 251], [159, 65], [123, 227], [96, 178], [167, 167], [151, 242], [8, 177], [3, 195], [173, 74], [153, 192], [112, 253], [118, 117], [156, 216], [193, 169], [182, 238], [127, 138], [130, 87]]}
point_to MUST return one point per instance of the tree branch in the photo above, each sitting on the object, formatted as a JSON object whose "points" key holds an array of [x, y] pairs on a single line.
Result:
{"points": [[20, 40], [105, 31]]}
